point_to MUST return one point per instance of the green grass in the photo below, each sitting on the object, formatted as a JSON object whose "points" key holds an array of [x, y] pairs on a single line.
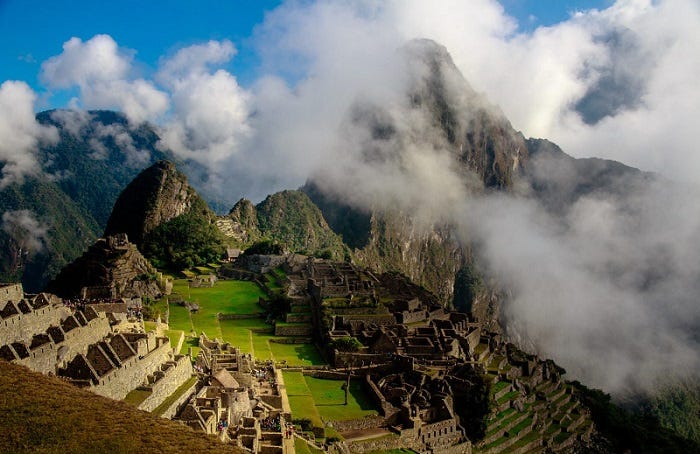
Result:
{"points": [[295, 384], [236, 297], [508, 396], [329, 398], [136, 396], [228, 297], [532, 436], [180, 318], [527, 422], [149, 326], [316, 398], [296, 354], [301, 447], [499, 386], [190, 342], [174, 336], [303, 408]]}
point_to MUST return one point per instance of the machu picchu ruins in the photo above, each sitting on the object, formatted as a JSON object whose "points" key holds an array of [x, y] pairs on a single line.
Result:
{"points": [[438, 381]]}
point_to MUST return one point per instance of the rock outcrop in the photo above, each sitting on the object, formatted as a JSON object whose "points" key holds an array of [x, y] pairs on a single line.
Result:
{"points": [[157, 195]]}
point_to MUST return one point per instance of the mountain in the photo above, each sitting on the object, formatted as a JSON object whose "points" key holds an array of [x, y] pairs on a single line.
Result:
{"points": [[289, 218], [50, 218], [558, 180], [157, 195], [166, 219]]}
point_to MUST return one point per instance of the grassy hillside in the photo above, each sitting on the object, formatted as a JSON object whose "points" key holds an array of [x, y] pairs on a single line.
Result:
{"points": [[41, 414]]}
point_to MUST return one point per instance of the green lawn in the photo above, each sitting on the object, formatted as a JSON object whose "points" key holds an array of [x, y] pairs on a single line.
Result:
{"points": [[174, 336], [329, 397], [309, 396], [235, 297], [296, 354], [301, 447], [303, 408], [180, 318], [228, 297], [295, 384], [136, 396]]}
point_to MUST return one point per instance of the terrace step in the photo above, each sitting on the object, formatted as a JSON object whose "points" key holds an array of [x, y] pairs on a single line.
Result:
{"points": [[505, 388], [499, 446], [506, 425]]}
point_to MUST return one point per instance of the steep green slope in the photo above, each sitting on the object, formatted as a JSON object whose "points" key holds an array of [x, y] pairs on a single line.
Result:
{"points": [[166, 219], [99, 159], [289, 218], [34, 252]]}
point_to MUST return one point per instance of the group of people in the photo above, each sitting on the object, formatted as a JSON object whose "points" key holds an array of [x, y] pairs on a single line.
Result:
{"points": [[221, 425], [271, 424]]}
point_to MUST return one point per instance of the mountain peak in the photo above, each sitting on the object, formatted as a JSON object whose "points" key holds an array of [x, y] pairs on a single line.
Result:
{"points": [[157, 195]]}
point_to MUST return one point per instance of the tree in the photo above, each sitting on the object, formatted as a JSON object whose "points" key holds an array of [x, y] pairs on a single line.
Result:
{"points": [[346, 344]]}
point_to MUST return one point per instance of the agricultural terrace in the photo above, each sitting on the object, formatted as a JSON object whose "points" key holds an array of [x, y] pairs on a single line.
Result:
{"points": [[322, 400], [251, 335]]}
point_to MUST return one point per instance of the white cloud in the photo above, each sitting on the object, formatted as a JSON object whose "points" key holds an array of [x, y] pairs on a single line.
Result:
{"points": [[26, 230], [209, 117], [20, 133], [103, 73]]}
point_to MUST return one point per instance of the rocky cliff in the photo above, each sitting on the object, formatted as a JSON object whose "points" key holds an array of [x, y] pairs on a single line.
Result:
{"points": [[157, 195]]}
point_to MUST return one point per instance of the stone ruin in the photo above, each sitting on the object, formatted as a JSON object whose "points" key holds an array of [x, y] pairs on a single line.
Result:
{"points": [[82, 345], [240, 401], [111, 268], [421, 363]]}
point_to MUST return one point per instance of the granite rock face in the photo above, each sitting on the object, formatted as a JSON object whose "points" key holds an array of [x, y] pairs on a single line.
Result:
{"points": [[157, 195]]}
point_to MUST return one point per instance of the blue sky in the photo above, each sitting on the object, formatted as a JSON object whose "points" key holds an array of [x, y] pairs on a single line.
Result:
{"points": [[34, 30]]}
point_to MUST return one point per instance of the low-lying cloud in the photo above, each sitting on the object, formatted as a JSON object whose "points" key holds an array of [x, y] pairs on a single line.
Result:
{"points": [[23, 227]]}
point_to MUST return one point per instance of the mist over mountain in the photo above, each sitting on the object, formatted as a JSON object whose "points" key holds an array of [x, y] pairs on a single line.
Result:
{"points": [[51, 214]]}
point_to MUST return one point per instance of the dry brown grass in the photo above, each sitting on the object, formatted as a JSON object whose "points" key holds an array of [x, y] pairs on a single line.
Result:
{"points": [[40, 414]]}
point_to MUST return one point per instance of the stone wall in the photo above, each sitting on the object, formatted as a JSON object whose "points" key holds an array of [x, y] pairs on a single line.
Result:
{"points": [[117, 383], [21, 327], [180, 402], [305, 330], [368, 422], [357, 359], [179, 372], [11, 292], [299, 318], [410, 317], [48, 356]]}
